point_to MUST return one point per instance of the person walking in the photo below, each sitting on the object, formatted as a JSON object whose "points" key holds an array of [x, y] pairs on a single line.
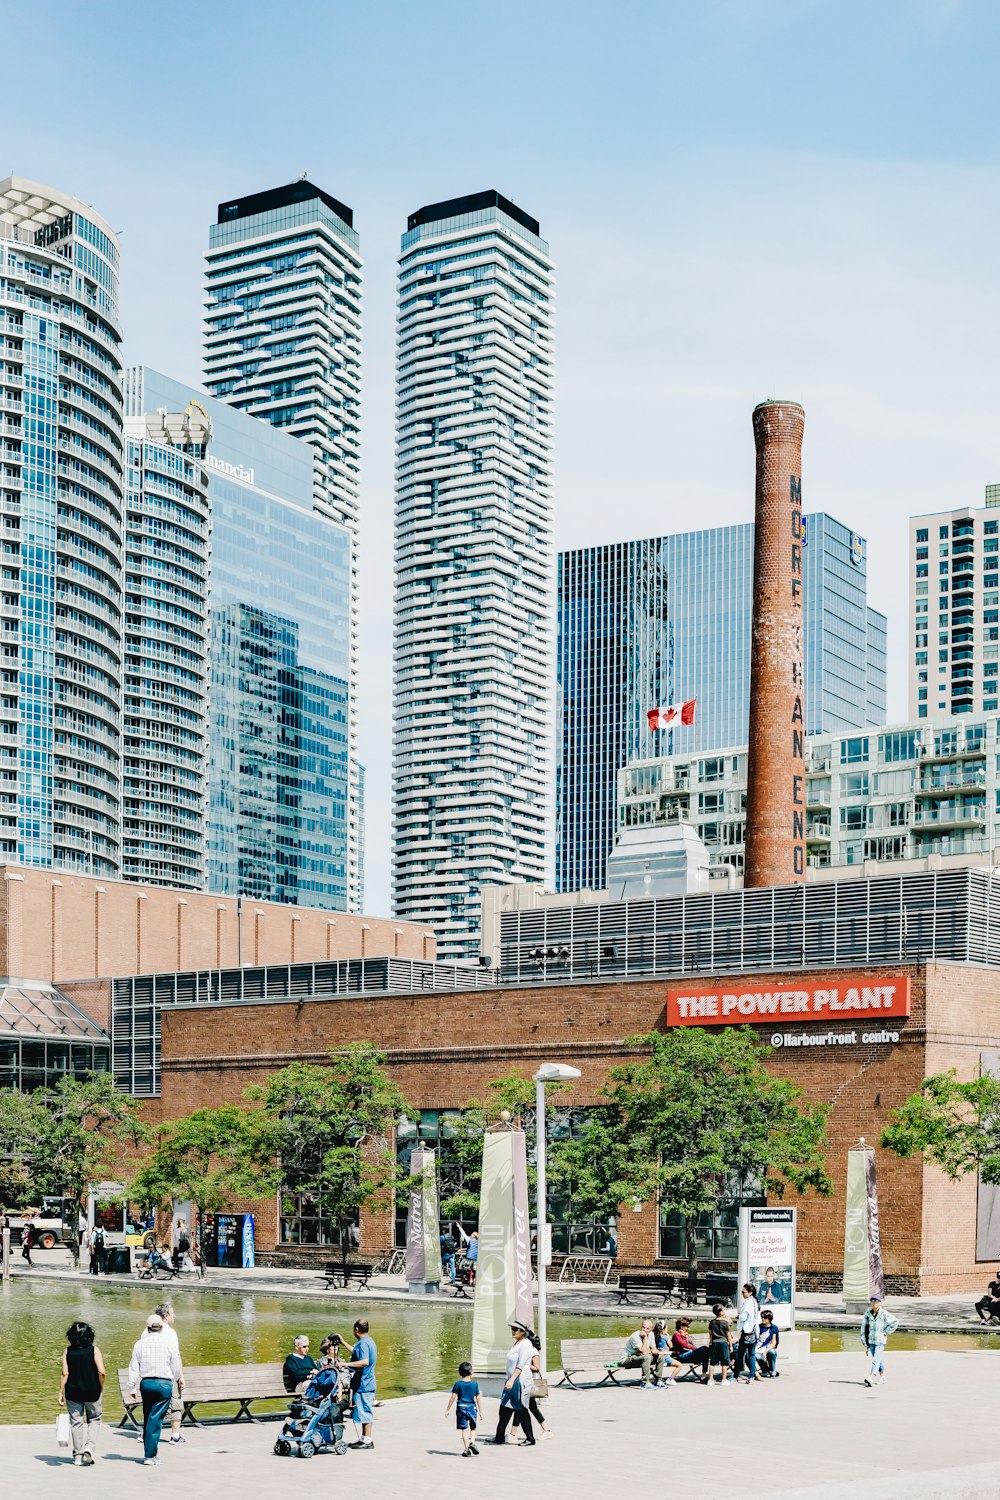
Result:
{"points": [[513, 1402], [720, 1344], [472, 1255], [98, 1250], [877, 1325], [748, 1327], [534, 1376], [448, 1248], [28, 1244], [165, 1310], [81, 1389], [469, 1408], [152, 1370]]}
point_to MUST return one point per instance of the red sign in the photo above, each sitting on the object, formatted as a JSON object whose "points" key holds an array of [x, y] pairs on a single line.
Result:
{"points": [[834, 997]]}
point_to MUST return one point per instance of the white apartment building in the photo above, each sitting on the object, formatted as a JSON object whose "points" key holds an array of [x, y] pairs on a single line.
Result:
{"points": [[955, 611], [473, 635], [902, 792], [283, 343]]}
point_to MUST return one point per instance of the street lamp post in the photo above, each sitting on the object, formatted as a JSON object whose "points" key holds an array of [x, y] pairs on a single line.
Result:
{"points": [[547, 1073]]}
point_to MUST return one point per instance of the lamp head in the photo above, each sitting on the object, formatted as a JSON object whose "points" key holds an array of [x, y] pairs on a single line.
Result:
{"points": [[556, 1073]]}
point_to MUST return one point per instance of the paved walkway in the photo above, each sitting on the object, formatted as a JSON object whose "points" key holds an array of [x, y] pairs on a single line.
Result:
{"points": [[818, 1434], [953, 1314]]}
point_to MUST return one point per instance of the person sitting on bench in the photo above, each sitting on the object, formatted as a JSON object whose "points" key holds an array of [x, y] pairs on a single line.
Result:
{"points": [[988, 1307], [156, 1260], [641, 1353], [299, 1365], [767, 1345], [686, 1351]]}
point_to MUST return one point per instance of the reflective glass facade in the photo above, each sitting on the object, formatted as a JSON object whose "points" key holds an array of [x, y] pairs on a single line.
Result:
{"points": [[613, 664], [61, 498], [45, 1037], [279, 650]]}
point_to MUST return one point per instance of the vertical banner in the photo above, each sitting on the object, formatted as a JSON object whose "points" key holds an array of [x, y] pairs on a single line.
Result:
{"points": [[423, 1239], [863, 1275], [503, 1271], [767, 1259], [248, 1242]]}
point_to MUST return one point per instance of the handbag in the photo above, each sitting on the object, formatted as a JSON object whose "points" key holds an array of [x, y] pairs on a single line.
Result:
{"points": [[62, 1429], [540, 1390]]}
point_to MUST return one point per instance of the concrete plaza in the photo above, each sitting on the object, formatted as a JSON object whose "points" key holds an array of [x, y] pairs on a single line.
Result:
{"points": [[817, 1433]]}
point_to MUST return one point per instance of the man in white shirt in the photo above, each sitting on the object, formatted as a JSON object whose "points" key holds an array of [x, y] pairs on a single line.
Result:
{"points": [[152, 1371], [748, 1327], [640, 1350], [166, 1311]]}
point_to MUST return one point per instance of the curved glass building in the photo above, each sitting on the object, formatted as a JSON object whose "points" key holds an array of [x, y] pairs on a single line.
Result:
{"points": [[62, 515], [165, 686]]}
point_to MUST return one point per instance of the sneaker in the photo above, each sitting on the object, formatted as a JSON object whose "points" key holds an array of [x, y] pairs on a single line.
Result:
{"points": [[77, 1460], [151, 1462], [644, 1385], [88, 1459], [867, 1380], [466, 1453], [547, 1436], [473, 1448]]}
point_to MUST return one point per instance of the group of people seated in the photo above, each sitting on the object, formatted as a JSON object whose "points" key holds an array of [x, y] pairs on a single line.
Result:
{"points": [[665, 1358], [988, 1307]]}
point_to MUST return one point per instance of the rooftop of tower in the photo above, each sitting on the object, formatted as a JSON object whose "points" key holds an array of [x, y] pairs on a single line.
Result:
{"points": [[452, 207], [34, 206], [271, 199]]}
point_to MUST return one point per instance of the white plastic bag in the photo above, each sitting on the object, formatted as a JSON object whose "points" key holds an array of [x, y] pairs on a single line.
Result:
{"points": [[62, 1429]]}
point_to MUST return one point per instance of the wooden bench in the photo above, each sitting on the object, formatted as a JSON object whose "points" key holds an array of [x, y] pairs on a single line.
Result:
{"points": [[580, 1355], [333, 1272], [664, 1287], [239, 1384]]}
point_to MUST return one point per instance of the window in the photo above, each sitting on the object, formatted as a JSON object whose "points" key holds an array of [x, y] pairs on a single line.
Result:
{"points": [[854, 817], [716, 1232], [855, 784], [854, 751], [901, 745], [922, 534], [303, 1224]]}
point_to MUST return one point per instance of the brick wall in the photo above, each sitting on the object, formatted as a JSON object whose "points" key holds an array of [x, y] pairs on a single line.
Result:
{"points": [[443, 1049]]}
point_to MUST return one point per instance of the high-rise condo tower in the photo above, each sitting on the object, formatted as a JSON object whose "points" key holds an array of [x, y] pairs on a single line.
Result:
{"points": [[473, 638]]}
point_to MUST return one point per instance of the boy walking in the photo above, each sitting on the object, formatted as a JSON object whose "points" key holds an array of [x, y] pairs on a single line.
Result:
{"points": [[877, 1326], [468, 1405]]}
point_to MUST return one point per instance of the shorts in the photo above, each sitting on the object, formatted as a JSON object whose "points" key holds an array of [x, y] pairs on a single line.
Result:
{"points": [[176, 1405], [718, 1353], [363, 1404], [465, 1419]]}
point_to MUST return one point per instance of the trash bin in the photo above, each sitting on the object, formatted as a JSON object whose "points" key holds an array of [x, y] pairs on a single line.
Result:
{"points": [[118, 1261]]}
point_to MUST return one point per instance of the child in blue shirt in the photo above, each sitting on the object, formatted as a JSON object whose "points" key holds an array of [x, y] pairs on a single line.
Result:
{"points": [[767, 1344], [468, 1405]]}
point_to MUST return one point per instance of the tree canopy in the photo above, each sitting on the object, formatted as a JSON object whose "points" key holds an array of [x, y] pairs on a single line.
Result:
{"points": [[955, 1124], [698, 1115]]}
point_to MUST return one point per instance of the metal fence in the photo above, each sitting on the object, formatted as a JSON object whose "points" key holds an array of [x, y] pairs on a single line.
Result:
{"points": [[952, 914]]}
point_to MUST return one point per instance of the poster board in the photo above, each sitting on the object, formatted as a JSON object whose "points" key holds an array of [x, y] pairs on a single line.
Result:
{"points": [[767, 1260]]}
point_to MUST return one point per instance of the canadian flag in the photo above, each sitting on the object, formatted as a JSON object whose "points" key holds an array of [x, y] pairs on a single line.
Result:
{"points": [[669, 718]]}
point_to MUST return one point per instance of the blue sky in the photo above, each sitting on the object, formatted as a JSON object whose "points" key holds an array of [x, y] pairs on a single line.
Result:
{"points": [[743, 198]]}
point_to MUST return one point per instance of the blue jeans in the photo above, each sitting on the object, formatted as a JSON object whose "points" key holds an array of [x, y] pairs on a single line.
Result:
{"points": [[156, 1396], [876, 1353], [448, 1263], [746, 1354]]}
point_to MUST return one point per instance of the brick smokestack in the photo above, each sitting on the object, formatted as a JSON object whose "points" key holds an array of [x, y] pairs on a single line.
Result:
{"points": [[776, 782]]}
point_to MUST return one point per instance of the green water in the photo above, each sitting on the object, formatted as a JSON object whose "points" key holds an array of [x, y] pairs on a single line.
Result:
{"points": [[420, 1346]]}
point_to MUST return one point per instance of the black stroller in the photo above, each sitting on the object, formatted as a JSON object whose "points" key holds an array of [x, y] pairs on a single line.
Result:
{"points": [[315, 1421]]}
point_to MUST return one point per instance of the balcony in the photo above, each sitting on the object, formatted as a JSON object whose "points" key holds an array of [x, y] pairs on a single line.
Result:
{"points": [[946, 784], [818, 833], [971, 815]]}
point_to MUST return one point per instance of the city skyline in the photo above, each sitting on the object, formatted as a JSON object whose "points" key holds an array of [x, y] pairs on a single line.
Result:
{"points": [[672, 207]]}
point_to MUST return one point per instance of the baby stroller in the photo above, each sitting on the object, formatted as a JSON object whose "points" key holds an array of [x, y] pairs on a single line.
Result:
{"points": [[315, 1421]]}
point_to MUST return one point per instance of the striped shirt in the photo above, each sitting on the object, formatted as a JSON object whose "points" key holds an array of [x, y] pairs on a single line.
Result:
{"points": [[153, 1358]]}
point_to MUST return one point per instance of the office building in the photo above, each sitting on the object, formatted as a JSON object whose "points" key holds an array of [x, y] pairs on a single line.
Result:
{"points": [[472, 679], [279, 659], [283, 344], [166, 670], [62, 501], [896, 793], [666, 619], [955, 611]]}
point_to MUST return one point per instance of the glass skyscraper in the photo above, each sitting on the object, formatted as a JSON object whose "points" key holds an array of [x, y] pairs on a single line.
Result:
{"points": [[663, 620], [472, 645], [283, 344], [62, 504], [166, 672], [279, 653]]}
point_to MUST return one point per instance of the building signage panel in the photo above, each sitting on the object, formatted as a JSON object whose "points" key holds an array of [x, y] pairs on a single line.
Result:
{"points": [[834, 997], [767, 1259]]}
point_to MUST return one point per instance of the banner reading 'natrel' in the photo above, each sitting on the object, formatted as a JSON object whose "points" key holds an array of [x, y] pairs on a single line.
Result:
{"points": [[503, 1270]]}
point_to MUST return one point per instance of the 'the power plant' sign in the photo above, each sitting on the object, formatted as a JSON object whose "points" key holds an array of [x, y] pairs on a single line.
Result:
{"points": [[838, 997]]}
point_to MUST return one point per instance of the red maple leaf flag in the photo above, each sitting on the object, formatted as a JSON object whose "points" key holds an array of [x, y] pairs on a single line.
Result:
{"points": [[672, 716]]}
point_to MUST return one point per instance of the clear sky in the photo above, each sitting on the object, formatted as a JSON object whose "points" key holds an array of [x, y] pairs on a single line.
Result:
{"points": [[744, 198]]}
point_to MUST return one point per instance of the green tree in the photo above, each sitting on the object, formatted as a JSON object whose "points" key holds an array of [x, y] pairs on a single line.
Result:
{"points": [[955, 1125], [208, 1157], [327, 1131], [70, 1135], [699, 1111]]}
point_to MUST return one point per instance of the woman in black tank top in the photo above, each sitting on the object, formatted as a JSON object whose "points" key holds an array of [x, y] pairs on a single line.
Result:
{"points": [[81, 1387]]}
